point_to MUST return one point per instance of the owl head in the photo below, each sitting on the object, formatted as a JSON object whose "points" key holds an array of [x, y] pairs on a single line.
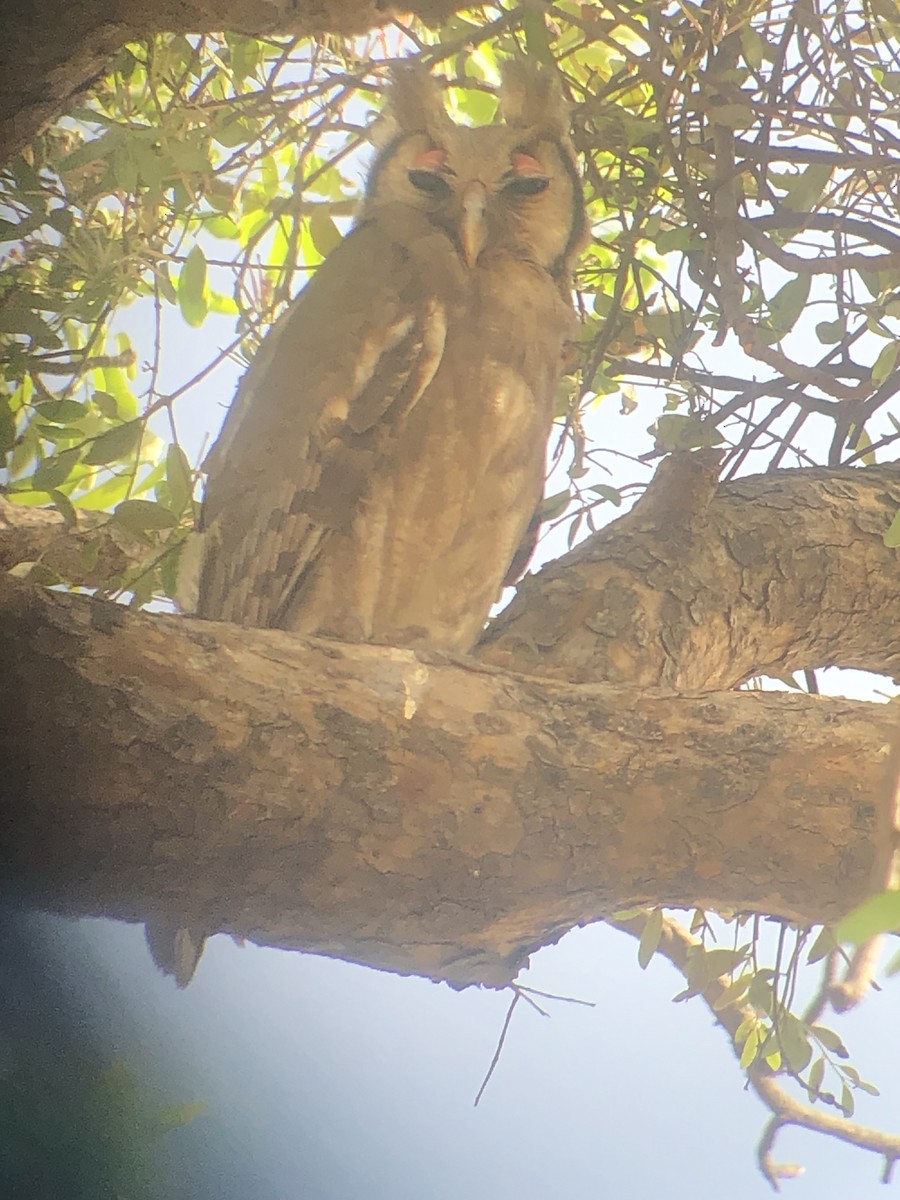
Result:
{"points": [[509, 188]]}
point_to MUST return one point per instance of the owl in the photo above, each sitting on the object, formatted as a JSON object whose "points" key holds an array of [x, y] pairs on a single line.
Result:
{"points": [[384, 457]]}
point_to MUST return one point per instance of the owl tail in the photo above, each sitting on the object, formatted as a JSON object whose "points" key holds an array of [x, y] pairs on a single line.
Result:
{"points": [[176, 951]]}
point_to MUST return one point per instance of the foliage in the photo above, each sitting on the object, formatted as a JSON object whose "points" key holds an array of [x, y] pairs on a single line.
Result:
{"points": [[741, 286], [767, 1032], [87, 1133]]}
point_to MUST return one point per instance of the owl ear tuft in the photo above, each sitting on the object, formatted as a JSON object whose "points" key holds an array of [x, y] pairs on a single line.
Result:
{"points": [[531, 97], [415, 104]]}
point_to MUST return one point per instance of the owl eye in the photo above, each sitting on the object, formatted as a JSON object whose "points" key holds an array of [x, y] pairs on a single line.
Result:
{"points": [[526, 185], [430, 183]]}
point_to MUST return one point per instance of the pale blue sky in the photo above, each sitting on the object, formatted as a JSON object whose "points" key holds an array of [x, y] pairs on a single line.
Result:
{"points": [[327, 1081]]}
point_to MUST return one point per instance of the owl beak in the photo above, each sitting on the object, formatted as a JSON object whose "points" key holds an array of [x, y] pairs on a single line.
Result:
{"points": [[472, 226]]}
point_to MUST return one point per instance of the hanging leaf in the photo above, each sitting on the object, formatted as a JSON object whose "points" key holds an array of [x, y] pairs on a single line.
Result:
{"points": [[178, 477], [885, 362], [139, 516], [324, 233], [115, 444], [793, 1039], [824, 944], [788, 303], [193, 288], [56, 470], [650, 937], [878, 914]]}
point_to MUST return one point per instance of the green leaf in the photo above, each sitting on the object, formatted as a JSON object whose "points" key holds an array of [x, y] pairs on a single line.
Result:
{"points": [[177, 1115], [15, 317], [7, 426], [223, 304], [62, 412], [178, 477], [722, 962], [166, 287], [753, 46], [859, 440], [90, 553], [847, 1105], [794, 1042], [805, 188], [35, 572], [246, 55], [734, 116], [869, 1088], [324, 233], [788, 303], [537, 36], [107, 404], [733, 993], [679, 431], [65, 507], [613, 495], [892, 533], [830, 1040], [823, 945], [878, 914], [885, 362], [760, 993], [650, 937], [816, 1076], [115, 444], [269, 174], [115, 381], [193, 288], [554, 506], [222, 227], [95, 148], [751, 1047], [830, 333], [56, 470], [138, 516], [169, 570]]}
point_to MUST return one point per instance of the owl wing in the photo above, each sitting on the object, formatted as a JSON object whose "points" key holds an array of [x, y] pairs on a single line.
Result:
{"points": [[354, 351]]}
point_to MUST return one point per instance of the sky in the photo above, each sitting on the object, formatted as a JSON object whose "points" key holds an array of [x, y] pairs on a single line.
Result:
{"points": [[323, 1080], [327, 1081]]}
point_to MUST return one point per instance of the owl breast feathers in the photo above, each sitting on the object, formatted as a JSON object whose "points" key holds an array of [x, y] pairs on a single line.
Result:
{"points": [[384, 455]]}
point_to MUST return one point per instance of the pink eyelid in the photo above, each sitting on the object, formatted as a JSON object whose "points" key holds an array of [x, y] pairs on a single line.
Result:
{"points": [[430, 160], [524, 164]]}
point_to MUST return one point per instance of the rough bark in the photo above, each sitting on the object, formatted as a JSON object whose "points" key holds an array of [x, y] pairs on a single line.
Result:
{"points": [[445, 817], [702, 587], [52, 50], [420, 814]]}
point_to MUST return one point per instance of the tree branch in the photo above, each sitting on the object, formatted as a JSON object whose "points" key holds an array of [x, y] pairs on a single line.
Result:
{"points": [[703, 588], [53, 50], [300, 792]]}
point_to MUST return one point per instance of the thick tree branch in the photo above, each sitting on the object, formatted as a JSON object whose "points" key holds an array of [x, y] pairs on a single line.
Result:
{"points": [[52, 50], [413, 813], [702, 588]]}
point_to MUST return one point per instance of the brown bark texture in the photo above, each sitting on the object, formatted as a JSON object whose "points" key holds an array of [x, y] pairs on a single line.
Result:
{"points": [[52, 50], [444, 816], [703, 586]]}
